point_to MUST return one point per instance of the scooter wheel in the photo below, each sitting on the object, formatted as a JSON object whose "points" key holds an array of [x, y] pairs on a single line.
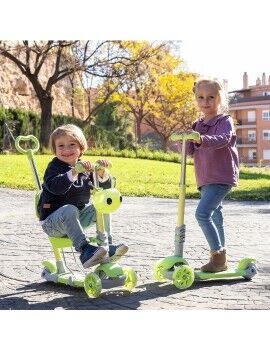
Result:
{"points": [[250, 271], [131, 278], [158, 272], [183, 277], [49, 265], [92, 285]]}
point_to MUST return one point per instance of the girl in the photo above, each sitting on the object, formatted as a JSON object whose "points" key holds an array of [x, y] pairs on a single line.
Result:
{"points": [[216, 166]]}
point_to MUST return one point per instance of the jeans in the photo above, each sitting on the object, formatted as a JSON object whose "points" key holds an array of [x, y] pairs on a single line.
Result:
{"points": [[70, 221], [209, 214]]}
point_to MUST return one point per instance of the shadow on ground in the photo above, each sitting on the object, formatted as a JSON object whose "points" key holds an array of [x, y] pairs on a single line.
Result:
{"points": [[76, 298]]}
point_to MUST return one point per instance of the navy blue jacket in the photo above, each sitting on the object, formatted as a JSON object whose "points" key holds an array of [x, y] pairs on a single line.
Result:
{"points": [[58, 190]]}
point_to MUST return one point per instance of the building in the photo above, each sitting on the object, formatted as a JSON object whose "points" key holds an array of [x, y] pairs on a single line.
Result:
{"points": [[250, 109]]}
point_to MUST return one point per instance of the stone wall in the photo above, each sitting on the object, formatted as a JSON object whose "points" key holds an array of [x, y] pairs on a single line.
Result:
{"points": [[17, 92]]}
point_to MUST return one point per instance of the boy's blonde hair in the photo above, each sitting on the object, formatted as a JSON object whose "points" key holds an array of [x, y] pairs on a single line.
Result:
{"points": [[70, 130], [219, 87]]}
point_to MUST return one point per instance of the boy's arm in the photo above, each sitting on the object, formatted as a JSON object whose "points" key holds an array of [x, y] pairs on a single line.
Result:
{"points": [[57, 183]]}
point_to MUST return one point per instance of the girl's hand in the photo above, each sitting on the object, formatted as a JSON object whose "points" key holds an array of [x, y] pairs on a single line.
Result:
{"points": [[197, 142]]}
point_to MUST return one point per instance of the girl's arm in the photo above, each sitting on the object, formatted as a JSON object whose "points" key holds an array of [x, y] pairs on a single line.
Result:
{"points": [[190, 148], [222, 138]]}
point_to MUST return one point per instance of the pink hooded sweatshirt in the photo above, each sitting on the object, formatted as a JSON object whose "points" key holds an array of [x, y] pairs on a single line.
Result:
{"points": [[216, 159]]}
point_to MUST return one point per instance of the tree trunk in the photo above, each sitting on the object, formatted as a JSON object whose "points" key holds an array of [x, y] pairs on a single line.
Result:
{"points": [[138, 131], [46, 120], [164, 144]]}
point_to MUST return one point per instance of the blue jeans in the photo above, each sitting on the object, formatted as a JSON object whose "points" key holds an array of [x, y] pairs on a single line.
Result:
{"points": [[70, 221], [209, 214]]}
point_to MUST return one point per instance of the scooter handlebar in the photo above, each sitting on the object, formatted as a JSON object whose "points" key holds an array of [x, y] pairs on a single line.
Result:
{"points": [[80, 168], [194, 135], [27, 138]]}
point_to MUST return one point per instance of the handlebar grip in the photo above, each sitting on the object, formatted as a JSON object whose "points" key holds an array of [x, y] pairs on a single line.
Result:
{"points": [[80, 168], [98, 166], [27, 138], [186, 136]]}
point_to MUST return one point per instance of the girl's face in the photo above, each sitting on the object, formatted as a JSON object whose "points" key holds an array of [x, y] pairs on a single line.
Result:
{"points": [[67, 149], [208, 100]]}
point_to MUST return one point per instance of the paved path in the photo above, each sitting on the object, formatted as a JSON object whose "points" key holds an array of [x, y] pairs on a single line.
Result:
{"points": [[147, 225]]}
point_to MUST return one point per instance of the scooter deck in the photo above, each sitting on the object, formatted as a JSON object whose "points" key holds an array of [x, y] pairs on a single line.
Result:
{"points": [[231, 273]]}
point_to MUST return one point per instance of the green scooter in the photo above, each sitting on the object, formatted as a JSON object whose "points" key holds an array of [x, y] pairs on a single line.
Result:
{"points": [[105, 276], [175, 268]]}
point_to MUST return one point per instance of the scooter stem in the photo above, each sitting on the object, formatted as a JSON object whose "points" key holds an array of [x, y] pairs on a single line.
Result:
{"points": [[180, 230]]}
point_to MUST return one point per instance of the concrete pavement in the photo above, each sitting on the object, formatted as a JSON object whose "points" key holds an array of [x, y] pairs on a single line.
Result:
{"points": [[147, 225]]}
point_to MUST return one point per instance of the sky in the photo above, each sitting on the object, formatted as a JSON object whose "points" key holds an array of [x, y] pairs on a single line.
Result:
{"points": [[228, 59]]}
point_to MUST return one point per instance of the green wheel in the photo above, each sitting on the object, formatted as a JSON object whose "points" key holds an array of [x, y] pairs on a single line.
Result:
{"points": [[245, 262], [92, 285], [158, 272], [49, 265], [131, 280], [183, 277]]}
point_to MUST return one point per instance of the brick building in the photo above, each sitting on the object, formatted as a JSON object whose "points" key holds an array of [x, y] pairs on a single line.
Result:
{"points": [[250, 108]]}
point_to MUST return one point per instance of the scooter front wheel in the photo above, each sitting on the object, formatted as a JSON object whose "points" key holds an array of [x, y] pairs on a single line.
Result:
{"points": [[250, 271], [92, 285], [183, 277]]}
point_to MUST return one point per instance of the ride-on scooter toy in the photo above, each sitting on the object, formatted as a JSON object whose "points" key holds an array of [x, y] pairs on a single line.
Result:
{"points": [[105, 276], [175, 267]]}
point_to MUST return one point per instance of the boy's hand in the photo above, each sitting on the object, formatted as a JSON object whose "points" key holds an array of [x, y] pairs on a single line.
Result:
{"points": [[103, 165], [83, 166]]}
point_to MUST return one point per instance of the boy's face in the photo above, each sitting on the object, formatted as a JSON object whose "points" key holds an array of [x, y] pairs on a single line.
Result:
{"points": [[67, 149]]}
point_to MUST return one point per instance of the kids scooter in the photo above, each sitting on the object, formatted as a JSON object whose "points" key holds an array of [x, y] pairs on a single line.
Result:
{"points": [[105, 276], [175, 267]]}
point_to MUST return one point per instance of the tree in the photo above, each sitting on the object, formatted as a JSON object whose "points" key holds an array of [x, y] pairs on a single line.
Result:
{"points": [[111, 126], [172, 109], [104, 59], [139, 86]]}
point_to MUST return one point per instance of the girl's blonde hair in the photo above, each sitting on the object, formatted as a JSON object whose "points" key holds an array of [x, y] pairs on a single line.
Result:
{"points": [[71, 130], [219, 87]]}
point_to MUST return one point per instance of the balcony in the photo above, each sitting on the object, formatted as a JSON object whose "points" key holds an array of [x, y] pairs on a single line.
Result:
{"points": [[245, 142], [245, 124]]}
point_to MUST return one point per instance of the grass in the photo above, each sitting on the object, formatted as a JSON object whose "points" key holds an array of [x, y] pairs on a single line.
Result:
{"points": [[139, 177]]}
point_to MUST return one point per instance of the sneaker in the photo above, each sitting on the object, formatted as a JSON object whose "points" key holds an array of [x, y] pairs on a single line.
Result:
{"points": [[117, 251], [92, 255]]}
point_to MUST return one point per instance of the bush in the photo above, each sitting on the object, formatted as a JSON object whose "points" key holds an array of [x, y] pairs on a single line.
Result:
{"points": [[22, 122]]}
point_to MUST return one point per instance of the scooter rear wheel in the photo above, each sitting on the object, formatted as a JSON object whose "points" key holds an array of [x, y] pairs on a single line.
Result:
{"points": [[158, 272], [92, 285], [131, 278]]}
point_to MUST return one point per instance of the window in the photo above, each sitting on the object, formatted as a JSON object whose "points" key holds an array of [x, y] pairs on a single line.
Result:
{"points": [[266, 154], [266, 135], [251, 135], [266, 93], [252, 154], [251, 116], [265, 115]]}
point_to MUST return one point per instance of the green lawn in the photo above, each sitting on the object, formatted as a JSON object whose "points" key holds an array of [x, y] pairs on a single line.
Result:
{"points": [[139, 177]]}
